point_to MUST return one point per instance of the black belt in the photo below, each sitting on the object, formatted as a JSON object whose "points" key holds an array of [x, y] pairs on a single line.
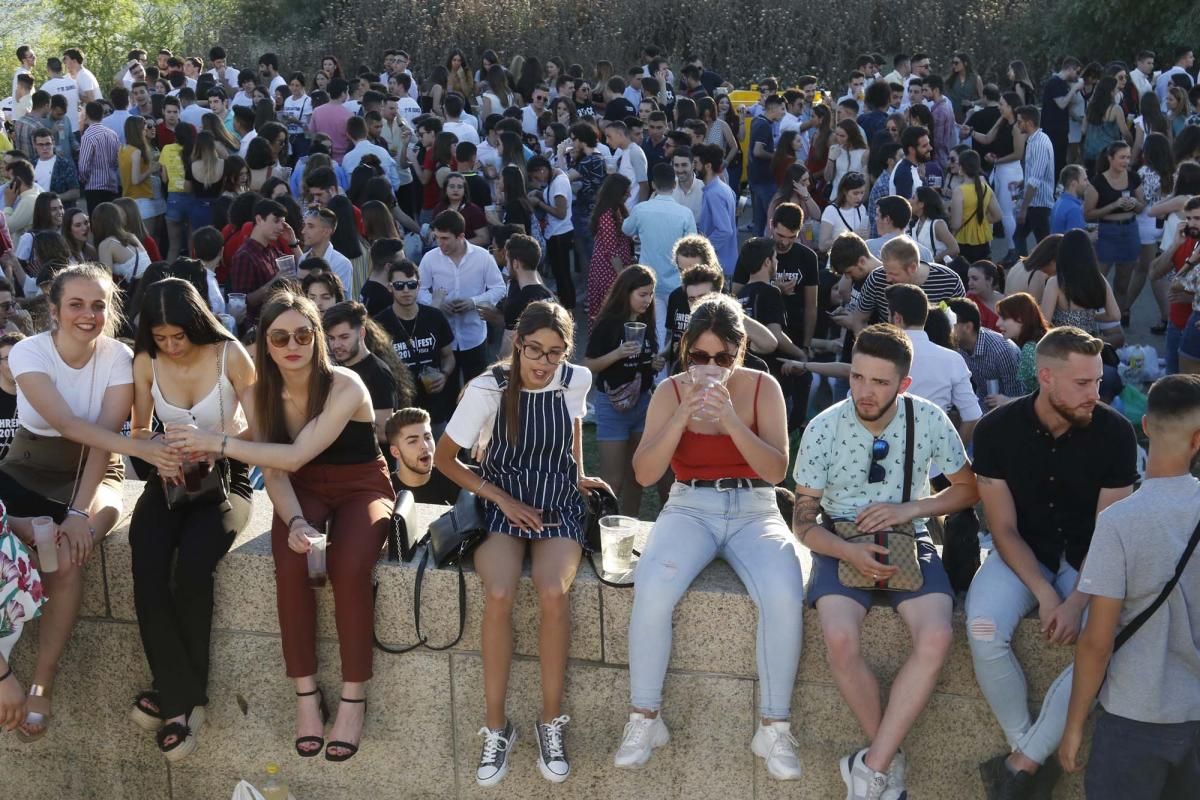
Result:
{"points": [[1129, 221], [727, 484]]}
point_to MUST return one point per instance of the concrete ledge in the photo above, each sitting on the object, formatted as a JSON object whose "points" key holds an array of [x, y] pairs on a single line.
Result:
{"points": [[426, 707]]}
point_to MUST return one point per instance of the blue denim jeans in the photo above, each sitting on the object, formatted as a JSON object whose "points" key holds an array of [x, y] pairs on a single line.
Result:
{"points": [[760, 198], [1174, 336], [996, 603], [1132, 760], [742, 526]]}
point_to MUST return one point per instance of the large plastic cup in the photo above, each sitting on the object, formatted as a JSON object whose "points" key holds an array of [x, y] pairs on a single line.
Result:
{"points": [[635, 332], [318, 543], [236, 306], [45, 538], [706, 376], [616, 543]]}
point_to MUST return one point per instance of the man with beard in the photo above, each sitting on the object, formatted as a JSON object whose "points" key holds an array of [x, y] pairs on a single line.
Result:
{"points": [[410, 440], [346, 331], [1046, 465], [906, 176], [852, 466]]}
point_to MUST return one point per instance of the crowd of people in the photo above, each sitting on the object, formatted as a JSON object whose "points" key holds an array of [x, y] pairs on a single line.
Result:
{"points": [[336, 285]]}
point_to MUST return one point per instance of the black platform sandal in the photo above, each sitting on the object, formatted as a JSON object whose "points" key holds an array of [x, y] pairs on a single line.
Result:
{"points": [[147, 712], [178, 740], [351, 748], [319, 741]]}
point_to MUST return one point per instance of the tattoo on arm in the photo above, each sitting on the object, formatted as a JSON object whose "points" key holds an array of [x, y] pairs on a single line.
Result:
{"points": [[804, 515]]}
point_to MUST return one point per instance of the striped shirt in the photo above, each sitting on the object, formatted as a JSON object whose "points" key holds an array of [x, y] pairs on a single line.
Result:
{"points": [[1039, 169], [942, 283], [98, 148], [994, 358]]}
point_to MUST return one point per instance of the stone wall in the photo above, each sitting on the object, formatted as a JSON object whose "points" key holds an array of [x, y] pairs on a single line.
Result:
{"points": [[426, 707]]}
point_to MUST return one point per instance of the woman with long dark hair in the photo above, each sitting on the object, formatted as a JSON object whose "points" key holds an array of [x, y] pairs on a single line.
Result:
{"points": [[847, 153], [528, 413], [624, 363], [973, 210], [136, 163], [433, 93], [797, 188], [1104, 123], [1007, 154], [513, 198], [847, 212], [116, 246], [174, 160], [1078, 293], [1158, 182], [1030, 273], [1114, 198], [818, 149], [77, 229], [314, 436], [964, 87], [187, 369], [1022, 323], [459, 76], [1020, 83], [930, 224], [613, 250], [985, 287], [497, 95], [456, 196]]}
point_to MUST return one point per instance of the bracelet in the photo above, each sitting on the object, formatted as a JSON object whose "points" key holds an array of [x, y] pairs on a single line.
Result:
{"points": [[73, 511], [480, 486], [293, 520], [6, 675]]}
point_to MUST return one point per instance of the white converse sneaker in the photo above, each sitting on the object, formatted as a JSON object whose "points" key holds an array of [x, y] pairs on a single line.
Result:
{"points": [[896, 790], [552, 750], [776, 744], [493, 761], [862, 782], [641, 737]]}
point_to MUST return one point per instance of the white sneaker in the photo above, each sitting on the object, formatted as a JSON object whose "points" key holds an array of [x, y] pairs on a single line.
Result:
{"points": [[641, 737], [776, 744], [493, 761], [896, 790], [552, 750], [862, 782]]}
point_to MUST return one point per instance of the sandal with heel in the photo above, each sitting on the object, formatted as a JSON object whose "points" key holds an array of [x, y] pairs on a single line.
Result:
{"points": [[35, 718], [351, 749], [319, 741], [178, 740], [147, 712]]}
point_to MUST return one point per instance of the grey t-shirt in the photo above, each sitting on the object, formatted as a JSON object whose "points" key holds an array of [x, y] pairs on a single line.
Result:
{"points": [[1155, 677]]}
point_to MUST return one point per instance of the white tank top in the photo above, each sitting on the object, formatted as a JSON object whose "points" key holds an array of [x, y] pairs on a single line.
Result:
{"points": [[206, 414]]}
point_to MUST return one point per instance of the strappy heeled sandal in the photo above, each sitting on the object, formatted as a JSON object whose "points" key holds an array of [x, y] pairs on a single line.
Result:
{"points": [[147, 712], [350, 749], [36, 718], [184, 733], [319, 741]]}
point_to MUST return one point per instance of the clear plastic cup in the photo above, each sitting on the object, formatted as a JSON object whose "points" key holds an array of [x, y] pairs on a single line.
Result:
{"points": [[45, 538], [993, 387], [236, 306], [318, 543], [616, 543], [707, 376], [635, 332], [429, 376]]}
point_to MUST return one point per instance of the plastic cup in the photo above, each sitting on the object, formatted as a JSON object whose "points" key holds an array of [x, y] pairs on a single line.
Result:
{"points": [[993, 387], [236, 306], [194, 474], [316, 558], [616, 543], [610, 164], [45, 538], [707, 376], [429, 377], [635, 332]]}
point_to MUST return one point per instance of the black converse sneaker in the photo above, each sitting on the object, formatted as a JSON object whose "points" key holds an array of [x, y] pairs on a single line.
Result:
{"points": [[493, 761], [552, 750]]}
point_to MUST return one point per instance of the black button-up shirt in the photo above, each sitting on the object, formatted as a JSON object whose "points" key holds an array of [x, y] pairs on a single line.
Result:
{"points": [[1055, 482]]}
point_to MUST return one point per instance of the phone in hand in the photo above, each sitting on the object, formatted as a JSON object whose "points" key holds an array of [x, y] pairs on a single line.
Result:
{"points": [[551, 519]]}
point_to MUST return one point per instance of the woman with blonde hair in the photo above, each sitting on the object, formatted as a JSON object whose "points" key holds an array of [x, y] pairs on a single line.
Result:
{"points": [[137, 163]]}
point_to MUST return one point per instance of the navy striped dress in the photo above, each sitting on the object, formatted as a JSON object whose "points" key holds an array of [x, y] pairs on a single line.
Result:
{"points": [[538, 467]]}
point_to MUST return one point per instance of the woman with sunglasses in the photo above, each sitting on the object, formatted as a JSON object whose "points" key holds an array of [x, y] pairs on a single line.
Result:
{"points": [[727, 443], [314, 437], [527, 415]]}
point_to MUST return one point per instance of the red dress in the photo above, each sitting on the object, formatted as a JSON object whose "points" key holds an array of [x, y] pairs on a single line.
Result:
{"points": [[601, 275]]}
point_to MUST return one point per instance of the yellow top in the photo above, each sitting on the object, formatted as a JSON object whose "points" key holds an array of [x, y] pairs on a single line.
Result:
{"points": [[974, 231], [138, 191], [171, 159]]}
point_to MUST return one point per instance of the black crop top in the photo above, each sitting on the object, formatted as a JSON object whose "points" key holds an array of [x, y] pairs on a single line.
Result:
{"points": [[356, 444]]}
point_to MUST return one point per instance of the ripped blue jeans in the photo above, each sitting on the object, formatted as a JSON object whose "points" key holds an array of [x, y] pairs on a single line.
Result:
{"points": [[742, 526]]}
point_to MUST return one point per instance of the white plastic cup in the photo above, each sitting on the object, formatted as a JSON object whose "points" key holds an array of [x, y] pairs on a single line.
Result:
{"points": [[635, 332], [993, 387], [236, 306], [706, 376], [318, 543], [616, 543], [45, 538]]}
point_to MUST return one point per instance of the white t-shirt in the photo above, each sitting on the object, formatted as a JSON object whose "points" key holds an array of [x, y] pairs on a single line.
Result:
{"points": [[463, 130], [193, 115], [82, 389], [231, 76], [242, 99], [631, 162], [276, 82], [87, 82], [67, 87], [409, 108], [42, 171], [299, 111], [847, 219], [559, 185], [476, 411]]}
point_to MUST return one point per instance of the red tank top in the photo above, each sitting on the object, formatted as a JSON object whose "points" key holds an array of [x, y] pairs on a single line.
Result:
{"points": [[709, 456]]}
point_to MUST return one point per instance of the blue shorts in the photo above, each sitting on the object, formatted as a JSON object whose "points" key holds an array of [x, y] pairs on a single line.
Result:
{"points": [[1118, 242], [619, 426], [179, 206], [824, 580], [1189, 339]]}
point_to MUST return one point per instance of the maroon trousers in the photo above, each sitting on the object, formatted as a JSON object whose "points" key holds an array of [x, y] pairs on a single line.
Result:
{"points": [[356, 499]]}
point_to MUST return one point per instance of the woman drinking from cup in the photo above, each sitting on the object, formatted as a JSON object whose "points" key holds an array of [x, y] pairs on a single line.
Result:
{"points": [[722, 429], [314, 437], [74, 392], [623, 353], [528, 414], [187, 370]]}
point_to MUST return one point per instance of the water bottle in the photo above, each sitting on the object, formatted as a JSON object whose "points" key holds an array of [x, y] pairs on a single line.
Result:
{"points": [[274, 787]]}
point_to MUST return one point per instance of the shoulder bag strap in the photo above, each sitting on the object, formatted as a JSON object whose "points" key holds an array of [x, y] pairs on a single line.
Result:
{"points": [[1140, 620], [910, 426], [418, 584]]}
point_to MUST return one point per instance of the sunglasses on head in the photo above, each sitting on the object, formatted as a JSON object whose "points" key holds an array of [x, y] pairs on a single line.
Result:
{"points": [[701, 358], [879, 451], [280, 338], [405, 286]]}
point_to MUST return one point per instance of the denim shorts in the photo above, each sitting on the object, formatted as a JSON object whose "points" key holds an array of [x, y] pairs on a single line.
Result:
{"points": [[1118, 242], [824, 580], [619, 426], [179, 206], [1189, 339]]}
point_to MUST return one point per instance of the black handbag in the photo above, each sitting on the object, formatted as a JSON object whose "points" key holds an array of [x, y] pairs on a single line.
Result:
{"points": [[451, 537], [403, 537], [214, 485], [960, 548], [600, 503]]}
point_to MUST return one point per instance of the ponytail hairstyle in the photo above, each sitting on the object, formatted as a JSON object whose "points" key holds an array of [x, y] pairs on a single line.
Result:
{"points": [[540, 315], [968, 162], [113, 318]]}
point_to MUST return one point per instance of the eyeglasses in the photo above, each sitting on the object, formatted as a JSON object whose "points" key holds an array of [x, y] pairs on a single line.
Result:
{"points": [[8, 305], [535, 353], [405, 286], [879, 451], [723, 359], [279, 338]]}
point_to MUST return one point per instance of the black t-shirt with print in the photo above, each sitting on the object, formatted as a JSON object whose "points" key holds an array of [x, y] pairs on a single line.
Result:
{"points": [[679, 314], [519, 297], [764, 303], [606, 336], [798, 264], [376, 297], [419, 342], [8, 420], [440, 491]]}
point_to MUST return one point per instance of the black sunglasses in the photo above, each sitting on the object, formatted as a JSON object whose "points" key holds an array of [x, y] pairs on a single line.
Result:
{"points": [[723, 360], [879, 451], [405, 286]]}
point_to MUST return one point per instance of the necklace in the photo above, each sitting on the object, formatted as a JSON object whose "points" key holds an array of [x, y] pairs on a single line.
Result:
{"points": [[410, 334]]}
